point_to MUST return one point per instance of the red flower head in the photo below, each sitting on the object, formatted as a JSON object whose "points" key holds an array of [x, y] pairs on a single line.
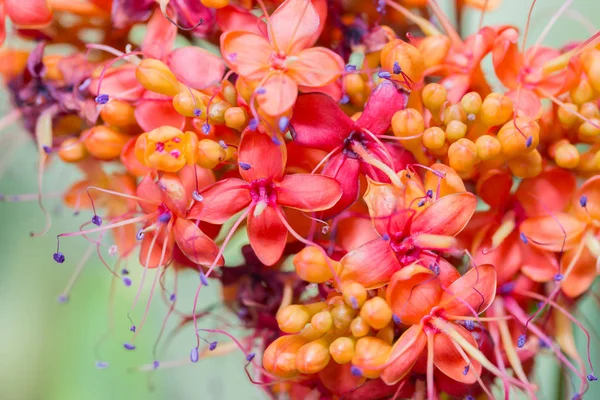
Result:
{"points": [[263, 190]]}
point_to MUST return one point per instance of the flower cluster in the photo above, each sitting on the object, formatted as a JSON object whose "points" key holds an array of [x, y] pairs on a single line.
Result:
{"points": [[409, 231]]}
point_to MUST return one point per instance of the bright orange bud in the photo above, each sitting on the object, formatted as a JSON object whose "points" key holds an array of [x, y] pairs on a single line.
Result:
{"points": [[589, 131], [190, 104], [566, 156], [589, 110], [104, 143], [72, 150], [236, 118], [434, 96], [322, 321], [342, 350], [435, 48], [454, 113], [154, 75], [313, 357], [400, 56], [118, 113], [166, 148], [209, 153], [462, 155], [527, 165], [354, 294], [215, 3], [455, 130], [312, 265], [229, 92], [488, 147], [434, 138], [408, 123], [354, 84], [343, 315], [359, 327], [376, 312], [293, 318], [519, 136], [496, 109], [370, 355], [582, 92], [386, 334], [566, 116], [280, 357], [471, 102]]}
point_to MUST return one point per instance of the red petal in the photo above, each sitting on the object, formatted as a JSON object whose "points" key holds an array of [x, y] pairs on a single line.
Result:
{"points": [[319, 123], [308, 192], [404, 355], [118, 81], [358, 265], [316, 67], [152, 114], [471, 293], [558, 232], [459, 85], [151, 251], [346, 171], [540, 265], [222, 201], [333, 90], [591, 190], [236, 18], [147, 189], [160, 36], [446, 216], [547, 193], [383, 103], [196, 246], [448, 360], [506, 57], [196, 67], [196, 180], [246, 53], [29, 14], [494, 187], [293, 25], [267, 235], [265, 158]]}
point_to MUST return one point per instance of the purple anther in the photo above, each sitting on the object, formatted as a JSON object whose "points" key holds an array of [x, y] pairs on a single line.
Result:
{"points": [[283, 124], [126, 281], [384, 75], [194, 355], [250, 357], [253, 124], [203, 279], [350, 67], [47, 149], [592, 378], [558, 277], [102, 99], [124, 271], [583, 201], [206, 128], [245, 166], [59, 257], [140, 235], [96, 220], [197, 112], [101, 364], [212, 346], [469, 325], [164, 217], [466, 370], [529, 141], [396, 68], [355, 371], [523, 238], [173, 297], [132, 328], [261, 90], [63, 299], [396, 319], [155, 364], [129, 346], [521, 341], [197, 196]]}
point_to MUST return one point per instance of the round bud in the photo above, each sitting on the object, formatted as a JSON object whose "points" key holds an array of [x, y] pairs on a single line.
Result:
{"points": [[359, 327], [488, 147], [566, 156], [527, 165], [434, 138], [309, 332], [280, 356], [118, 113], [582, 92], [229, 92], [454, 113], [408, 123], [589, 131], [72, 150], [216, 111], [589, 110], [293, 318], [370, 354], [312, 266], [342, 350], [104, 143], [215, 3], [591, 66], [155, 76], [519, 136], [386, 334], [190, 105], [566, 118], [496, 109], [462, 155], [342, 316], [434, 96], [313, 357], [322, 321], [354, 294], [209, 153], [436, 48], [406, 56], [455, 130], [376, 312], [354, 84], [236, 118], [471, 102]]}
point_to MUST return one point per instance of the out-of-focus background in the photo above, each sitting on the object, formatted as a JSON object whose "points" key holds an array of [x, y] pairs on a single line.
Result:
{"points": [[49, 350]]}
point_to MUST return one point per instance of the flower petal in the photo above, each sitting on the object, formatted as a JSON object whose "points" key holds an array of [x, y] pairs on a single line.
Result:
{"points": [[152, 114], [196, 178], [386, 207], [267, 235], [237, 18], [293, 25], [446, 216], [583, 272], [358, 265], [412, 293], [493, 187], [448, 360], [384, 102], [471, 293], [117, 82], [346, 171], [506, 57], [319, 123], [558, 232], [222, 201], [265, 159], [147, 189], [316, 67], [280, 93], [160, 36], [333, 90], [404, 355], [540, 265], [546, 193], [29, 14], [196, 246], [196, 67], [246, 53], [448, 184], [151, 250], [591, 190], [527, 103], [308, 192]]}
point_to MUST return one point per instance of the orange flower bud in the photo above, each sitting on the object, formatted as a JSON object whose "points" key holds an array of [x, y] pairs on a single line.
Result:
{"points": [[566, 118], [104, 143], [589, 110], [582, 92], [236, 118], [166, 148], [229, 92], [280, 357], [399, 54], [488, 147], [434, 96], [354, 84], [215, 3], [190, 104], [313, 357], [454, 113], [354, 294], [434, 138], [588, 132], [376, 312], [471, 103], [566, 156], [408, 123], [370, 355], [342, 350], [527, 165], [591, 66], [209, 154], [154, 75], [359, 327], [455, 130], [342, 316], [293, 318], [386, 334], [311, 265], [462, 155], [72, 150], [322, 321], [496, 109], [519, 136], [436, 48], [118, 113], [309, 333]]}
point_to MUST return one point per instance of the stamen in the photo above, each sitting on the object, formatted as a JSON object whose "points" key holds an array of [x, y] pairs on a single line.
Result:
{"points": [[244, 166], [127, 281], [283, 124], [396, 68], [194, 355], [212, 345], [583, 201], [521, 341], [101, 364], [102, 99], [253, 124], [523, 238], [197, 112], [206, 128], [129, 346], [384, 75], [355, 371], [197, 196], [350, 67], [59, 257], [203, 279], [96, 220]]}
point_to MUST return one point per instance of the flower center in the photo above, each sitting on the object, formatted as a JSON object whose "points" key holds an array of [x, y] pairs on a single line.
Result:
{"points": [[355, 138], [278, 61], [263, 194]]}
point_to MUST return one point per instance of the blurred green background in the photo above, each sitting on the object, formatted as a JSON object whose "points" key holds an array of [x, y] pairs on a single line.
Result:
{"points": [[48, 350]]}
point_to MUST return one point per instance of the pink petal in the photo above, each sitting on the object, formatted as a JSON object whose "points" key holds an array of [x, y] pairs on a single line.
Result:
{"points": [[280, 94], [293, 26], [148, 189], [346, 171], [160, 36], [385, 100], [246, 53], [308, 192], [236, 18], [196, 67], [316, 67], [152, 114]]}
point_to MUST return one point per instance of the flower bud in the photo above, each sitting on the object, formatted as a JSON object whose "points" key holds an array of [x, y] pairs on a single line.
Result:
{"points": [[313, 357], [434, 96], [229, 92], [488, 147], [496, 109], [591, 66], [462, 155], [104, 143], [354, 84], [342, 350], [434, 138], [72, 150], [359, 327], [216, 111], [154, 75], [436, 48], [589, 110], [376, 312], [322, 321], [190, 104], [566, 118], [406, 56], [566, 155], [118, 113], [293, 318], [354, 294], [386, 334], [582, 92], [209, 153], [236, 118], [471, 103], [455, 130], [342, 316], [527, 165], [166, 148], [280, 356], [312, 266], [589, 131], [454, 113], [519, 136], [370, 355], [408, 123]]}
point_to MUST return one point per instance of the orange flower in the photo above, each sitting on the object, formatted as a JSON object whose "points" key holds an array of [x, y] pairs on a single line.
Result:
{"points": [[283, 61]]}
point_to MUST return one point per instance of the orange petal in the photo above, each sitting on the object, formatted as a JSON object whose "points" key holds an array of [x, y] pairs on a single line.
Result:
{"points": [[471, 293], [29, 14], [196, 178], [582, 275], [265, 159], [448, 184], [554, 233], [526, 102], [246, 53], [293, 25], [493, 187], [147, 189], [385, 206], [280, 93], [308, 192], [316, 67], [196, 246], [404, 355], [267, 235], [151, 251], [413, 292], [591, 190], [448, 360], [357, 266], [222, 201], [551, 191], [507, 256], [173, 193], [506, 57], [447, 215], [76, 196], [539, 265]]}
